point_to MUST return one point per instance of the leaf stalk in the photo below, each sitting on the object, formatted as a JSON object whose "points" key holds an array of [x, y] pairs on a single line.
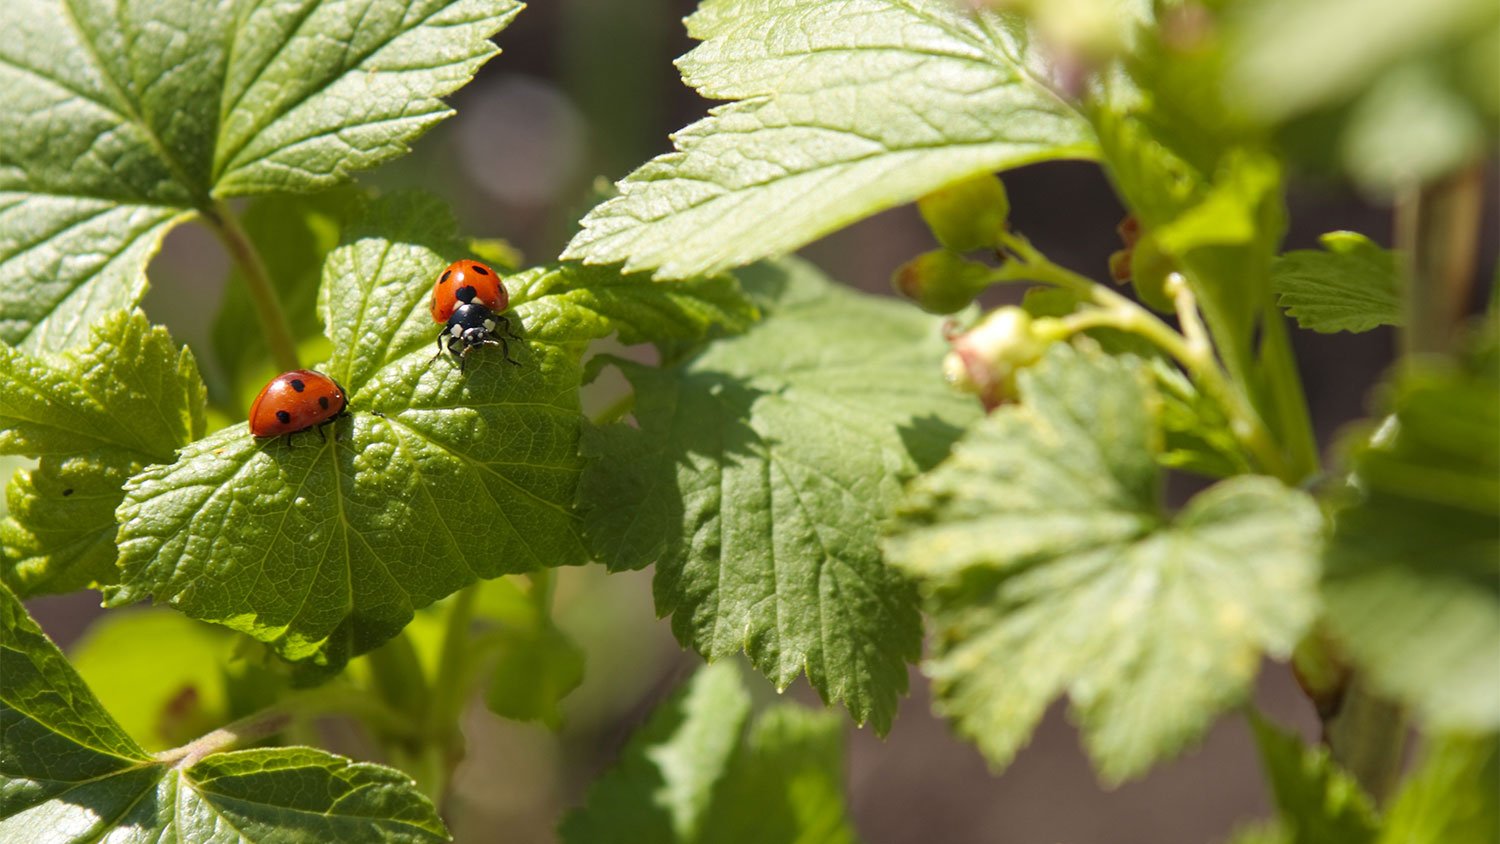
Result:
{"points": [[1192, 348], [273, 321]]}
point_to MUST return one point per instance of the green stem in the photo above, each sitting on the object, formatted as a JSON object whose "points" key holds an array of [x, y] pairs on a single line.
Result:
{"points": [[1367, 737], [1437, 230], [450, 690], [341, 700], [273, 319], [617, 409], [1194, 351]]}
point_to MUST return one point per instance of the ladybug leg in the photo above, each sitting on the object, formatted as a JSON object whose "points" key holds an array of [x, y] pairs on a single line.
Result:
{"points": [[440, 344], [505, 323], [322, 436], [288, 440], [505, 350], [504, 346]]}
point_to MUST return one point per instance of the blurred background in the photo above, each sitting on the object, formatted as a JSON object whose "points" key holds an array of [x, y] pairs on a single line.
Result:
{"points": [[586, 88]]}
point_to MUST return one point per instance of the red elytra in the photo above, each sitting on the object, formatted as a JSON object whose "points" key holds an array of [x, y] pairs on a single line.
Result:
{"points": [[295, 401], [466, 282]]}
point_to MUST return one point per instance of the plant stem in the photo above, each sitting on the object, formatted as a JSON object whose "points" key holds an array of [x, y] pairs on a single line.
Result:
{"points": [[1437, 230], [1367, 737], [278, 716], [1194, 351], [273, 319], [450, 690], [266, 722]]}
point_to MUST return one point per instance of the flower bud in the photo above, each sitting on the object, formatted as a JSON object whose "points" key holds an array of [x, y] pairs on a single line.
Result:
{"points": [[967, 215], [985, 359], [941, 281]]}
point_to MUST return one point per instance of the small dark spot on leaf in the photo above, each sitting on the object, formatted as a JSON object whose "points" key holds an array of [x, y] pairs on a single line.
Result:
{"points": [[283, 417], [67, 492], [298, 385]]}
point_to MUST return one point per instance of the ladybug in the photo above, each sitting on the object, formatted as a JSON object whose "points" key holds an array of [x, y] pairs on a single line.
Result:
{"points": [[469, 300], [294, 401]]}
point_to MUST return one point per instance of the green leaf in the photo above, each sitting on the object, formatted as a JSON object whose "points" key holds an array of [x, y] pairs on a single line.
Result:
{"points": [[595, 302], [1453, 797], [1351, 285], [1049, 568], [661, 787], [70, 774], [163, 108], [1392, 93], [841, 109], [694, 774], [1411, 585], [787, 783], [1319, 803], [536, 667], [294, 234], [1290, 56], [95, 416], [159, 674], [759, 474], [324, 549]]}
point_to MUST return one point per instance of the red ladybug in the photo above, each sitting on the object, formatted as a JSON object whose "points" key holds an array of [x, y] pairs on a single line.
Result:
{"points": [[464, 282], [295, 401], [469, 299]]}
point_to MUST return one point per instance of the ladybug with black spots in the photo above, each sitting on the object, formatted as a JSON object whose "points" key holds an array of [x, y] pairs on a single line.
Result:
{"points": [[470, 300], [294, 401]]}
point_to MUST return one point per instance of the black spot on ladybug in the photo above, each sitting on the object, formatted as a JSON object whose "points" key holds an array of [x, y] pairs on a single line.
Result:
{"points": [[481, 270], [323, 402], [298, 385], [465, 293], [283, 417], [446, 273], [67, 492]]}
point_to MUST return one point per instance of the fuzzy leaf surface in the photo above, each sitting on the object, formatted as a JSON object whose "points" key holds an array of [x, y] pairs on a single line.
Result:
{"points": [[1412, 585], [324, 549], [95, 416], [841, 109], [700, 771], [161, 108], [1050, 568], [1349, 285], [69, 773], [759, 474]]}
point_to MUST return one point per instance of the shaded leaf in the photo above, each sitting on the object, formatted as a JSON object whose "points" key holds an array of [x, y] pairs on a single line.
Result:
{"points": [[695, 773], [70, 774], [1319, 803], [1412, 585], [759, 474]]}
